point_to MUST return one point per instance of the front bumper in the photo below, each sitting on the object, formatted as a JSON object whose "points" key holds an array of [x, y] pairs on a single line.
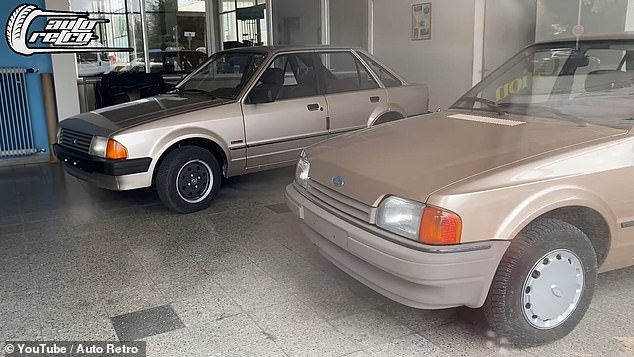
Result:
{"points": [[106, 173], [428, 277]]}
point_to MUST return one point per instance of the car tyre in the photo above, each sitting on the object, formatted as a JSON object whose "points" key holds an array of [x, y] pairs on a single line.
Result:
{"points": [[543, 285], [188, 179]]}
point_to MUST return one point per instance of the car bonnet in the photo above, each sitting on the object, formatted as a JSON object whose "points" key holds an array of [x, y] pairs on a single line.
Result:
{"points": [[414, 157]]}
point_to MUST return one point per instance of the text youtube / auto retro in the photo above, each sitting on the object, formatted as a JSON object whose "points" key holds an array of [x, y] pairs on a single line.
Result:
{"points": [[64, 32]]}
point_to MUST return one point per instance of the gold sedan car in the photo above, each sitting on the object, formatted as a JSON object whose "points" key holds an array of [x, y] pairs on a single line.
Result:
{"points": [[512, 200], [242, 111]]}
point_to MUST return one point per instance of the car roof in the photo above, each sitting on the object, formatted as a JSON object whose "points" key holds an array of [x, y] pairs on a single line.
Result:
{"points": [[277, 49]]}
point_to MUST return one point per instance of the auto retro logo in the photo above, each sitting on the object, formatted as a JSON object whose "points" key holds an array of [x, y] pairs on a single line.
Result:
{"points": [[64, 32]]}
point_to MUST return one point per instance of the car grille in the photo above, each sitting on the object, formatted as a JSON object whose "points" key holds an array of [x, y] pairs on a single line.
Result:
{"points": [[326, 196], [75, 140]]}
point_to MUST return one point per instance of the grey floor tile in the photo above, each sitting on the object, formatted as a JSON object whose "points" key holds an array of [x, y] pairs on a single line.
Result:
{"points": [[19, 316], [235, 335], [417, 319], [77, 325], [131, 299], [214, 305], [370, 328], [145, 323], [189, 287], [278, 208], [299, 331], [463, 337], [412, 345], [598, 334], [251, 287], [326, 295]]}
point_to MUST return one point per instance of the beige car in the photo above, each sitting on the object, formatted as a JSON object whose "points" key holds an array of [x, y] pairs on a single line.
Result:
{"points": [[511, 200], [242, 111]]}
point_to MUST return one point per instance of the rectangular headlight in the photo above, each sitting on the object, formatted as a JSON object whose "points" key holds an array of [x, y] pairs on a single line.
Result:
{"points": [[400, 216], [98, 146], [302, 171]]}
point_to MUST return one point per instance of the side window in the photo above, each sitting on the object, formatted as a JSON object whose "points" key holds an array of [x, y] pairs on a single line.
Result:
{"points": [[290, 76], [388, 79], [344, 73]]}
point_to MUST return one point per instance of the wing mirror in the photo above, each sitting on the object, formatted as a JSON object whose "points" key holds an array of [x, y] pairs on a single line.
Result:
{"points": [[261, 95]]}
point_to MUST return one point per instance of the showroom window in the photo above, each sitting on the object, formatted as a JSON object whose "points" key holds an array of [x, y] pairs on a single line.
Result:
{"points": [[123, 30], [243, 23], [176, 34]]}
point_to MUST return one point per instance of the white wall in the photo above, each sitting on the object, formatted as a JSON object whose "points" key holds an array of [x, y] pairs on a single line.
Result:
{"points": [[444, 63], [349, 23], [64, 74], [509, 26], [308, 14]]}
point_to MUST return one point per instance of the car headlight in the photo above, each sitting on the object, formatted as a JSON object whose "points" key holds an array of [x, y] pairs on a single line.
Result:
{"points": [[419, 222], [98, 146], [107, 148], [302, 171], [58, 135], [400, 216]]}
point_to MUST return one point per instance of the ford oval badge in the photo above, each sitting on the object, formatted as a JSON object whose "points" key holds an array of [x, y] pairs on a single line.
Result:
{"points": [[338, 181]]}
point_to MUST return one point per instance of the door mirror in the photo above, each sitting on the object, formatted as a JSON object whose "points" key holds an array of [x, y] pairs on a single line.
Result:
{"points": [[261, 95]]}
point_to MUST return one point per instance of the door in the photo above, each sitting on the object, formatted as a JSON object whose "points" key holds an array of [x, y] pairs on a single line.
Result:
{"points": [[351, 92], [284, 112]]}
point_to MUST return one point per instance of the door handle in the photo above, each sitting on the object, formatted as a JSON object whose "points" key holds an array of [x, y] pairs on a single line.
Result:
{"points": [[313, 107], [375, 99]]}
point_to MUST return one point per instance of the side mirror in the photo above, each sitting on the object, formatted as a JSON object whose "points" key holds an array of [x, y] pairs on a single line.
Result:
{"points": [[261, 95]]}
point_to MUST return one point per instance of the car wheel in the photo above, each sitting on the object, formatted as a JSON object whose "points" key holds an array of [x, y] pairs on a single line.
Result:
{"points": [[543, 285], [188, 179]]}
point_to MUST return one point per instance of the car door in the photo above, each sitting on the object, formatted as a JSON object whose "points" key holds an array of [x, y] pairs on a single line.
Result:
{"points": [[352, 94], [284, 112]]}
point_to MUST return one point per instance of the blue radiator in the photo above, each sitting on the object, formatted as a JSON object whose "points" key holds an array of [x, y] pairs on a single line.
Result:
{"points": [[16, 131]]}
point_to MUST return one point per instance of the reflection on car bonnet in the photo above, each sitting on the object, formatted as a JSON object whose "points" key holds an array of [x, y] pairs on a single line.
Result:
{"points": [[488, 120]]}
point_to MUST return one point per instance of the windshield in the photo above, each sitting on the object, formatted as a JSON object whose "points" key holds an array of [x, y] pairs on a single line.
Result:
{"points": [[590, 82], [223, 76]]}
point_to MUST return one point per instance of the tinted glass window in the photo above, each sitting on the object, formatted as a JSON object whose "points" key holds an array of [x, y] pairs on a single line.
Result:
{"points": [[223, 76], [388, 79], [290, 76], [343, 73]]}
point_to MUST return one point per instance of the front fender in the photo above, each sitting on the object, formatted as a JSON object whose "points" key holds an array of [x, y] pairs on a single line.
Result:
{"points": [[548, 200], [170, 138]]}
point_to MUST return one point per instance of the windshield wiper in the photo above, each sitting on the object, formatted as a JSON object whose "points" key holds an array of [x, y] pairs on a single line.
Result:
{"points": [[192, 91], [489, 103], [532, 108]]}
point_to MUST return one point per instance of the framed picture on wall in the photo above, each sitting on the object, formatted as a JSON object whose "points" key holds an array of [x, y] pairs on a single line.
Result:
{"points": [[421, 21]]}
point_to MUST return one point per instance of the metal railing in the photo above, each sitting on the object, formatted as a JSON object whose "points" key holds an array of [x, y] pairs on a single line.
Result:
{"points": [[16, 130]]}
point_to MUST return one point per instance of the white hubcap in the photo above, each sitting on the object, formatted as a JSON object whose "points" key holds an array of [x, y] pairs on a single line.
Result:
{"points": [[552, 289]]}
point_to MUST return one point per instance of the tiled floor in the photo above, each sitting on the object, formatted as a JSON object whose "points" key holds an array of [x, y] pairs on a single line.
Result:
{"points": [[237, 279]]}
